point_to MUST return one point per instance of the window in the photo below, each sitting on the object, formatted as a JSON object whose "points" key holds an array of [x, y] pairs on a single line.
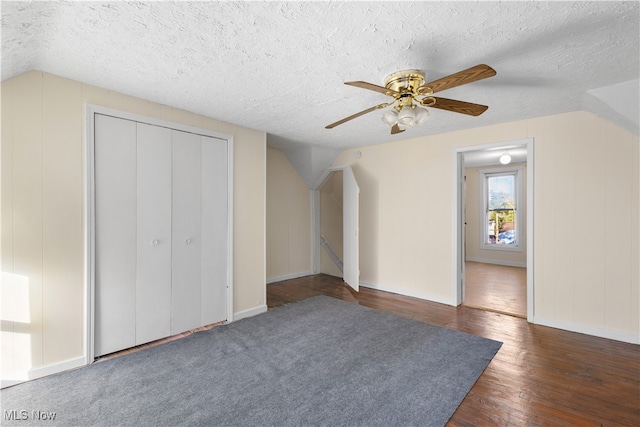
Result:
{"points": [[501, 207]]}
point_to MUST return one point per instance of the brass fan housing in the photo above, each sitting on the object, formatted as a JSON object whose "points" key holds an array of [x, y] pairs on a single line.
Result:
{"points": [[408, 86], [406, 81]]}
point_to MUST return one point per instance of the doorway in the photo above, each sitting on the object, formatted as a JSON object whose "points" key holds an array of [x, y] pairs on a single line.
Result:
{"points": [[494, 239], [336, 225]]}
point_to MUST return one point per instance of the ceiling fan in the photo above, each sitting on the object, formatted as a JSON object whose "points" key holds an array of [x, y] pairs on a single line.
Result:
{"points": [[409, 92]]}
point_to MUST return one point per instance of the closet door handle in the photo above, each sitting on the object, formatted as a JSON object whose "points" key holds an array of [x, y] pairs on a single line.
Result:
{"points": [[188, 241], [155, 242]]}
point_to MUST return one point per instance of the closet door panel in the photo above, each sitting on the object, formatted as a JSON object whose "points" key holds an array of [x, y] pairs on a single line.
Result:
{"points": [[186, 231], [215, 225], [115, 234], [153, 290]]}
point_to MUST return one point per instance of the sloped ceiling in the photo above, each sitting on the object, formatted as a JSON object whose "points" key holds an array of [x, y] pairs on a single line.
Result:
{"points": [[280, 66]]}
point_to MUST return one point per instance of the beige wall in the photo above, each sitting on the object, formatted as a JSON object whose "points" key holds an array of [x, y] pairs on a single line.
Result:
{"points": [[288, 220], [586, 269], [43, 137], [474, 215], [331, 223]]}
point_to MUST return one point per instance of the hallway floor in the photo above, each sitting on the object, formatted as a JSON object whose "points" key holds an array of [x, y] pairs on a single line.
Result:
{"points": [[497, 288]]}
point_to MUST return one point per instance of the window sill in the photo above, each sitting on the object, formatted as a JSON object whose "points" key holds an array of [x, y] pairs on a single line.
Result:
{"points": [[499, 247]]}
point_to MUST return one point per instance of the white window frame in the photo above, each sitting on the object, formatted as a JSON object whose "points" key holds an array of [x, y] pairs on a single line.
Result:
{"points": [[516, 170]]}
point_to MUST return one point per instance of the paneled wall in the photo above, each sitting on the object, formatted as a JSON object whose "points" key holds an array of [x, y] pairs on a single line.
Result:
{"points": [[288, 220], [43, 155], [586, 226]]}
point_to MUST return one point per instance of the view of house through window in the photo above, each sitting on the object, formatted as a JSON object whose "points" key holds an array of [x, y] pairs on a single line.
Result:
{"points": [[501, 214]]}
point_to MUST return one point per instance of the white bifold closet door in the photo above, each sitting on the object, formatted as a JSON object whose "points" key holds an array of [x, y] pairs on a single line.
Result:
{"points": [[186, 232], [161, 232], [199, 257], [116, 234], [153, 212], [215, 229]]}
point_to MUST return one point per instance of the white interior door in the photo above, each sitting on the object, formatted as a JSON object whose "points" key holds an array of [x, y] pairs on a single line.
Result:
{"points": [[115, 230], [350, 229], [187, 219], [162, 232], [153, 288], [215, 229]]}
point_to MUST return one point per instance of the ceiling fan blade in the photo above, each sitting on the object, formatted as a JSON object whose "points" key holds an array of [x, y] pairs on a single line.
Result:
{"points": [[458, 106], [395, 129], [371, 86], [469, 75], [361, 113]]}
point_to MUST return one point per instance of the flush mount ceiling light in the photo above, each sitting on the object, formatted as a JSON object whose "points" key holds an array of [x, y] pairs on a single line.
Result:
{"points": [[505, 159], [410, 94]]}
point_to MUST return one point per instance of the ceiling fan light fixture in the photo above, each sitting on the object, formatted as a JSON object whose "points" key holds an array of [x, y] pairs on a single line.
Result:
{"points": [[406, 117], [408, 88], [505, 159], [390, 117], [422, 114]]}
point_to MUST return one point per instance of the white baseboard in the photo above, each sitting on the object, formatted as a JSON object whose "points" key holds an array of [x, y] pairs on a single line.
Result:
{"points": [[498, 262], [623, 336], [408, 293], [249, 312], [288, 277], [616, 335], [42, 371]]}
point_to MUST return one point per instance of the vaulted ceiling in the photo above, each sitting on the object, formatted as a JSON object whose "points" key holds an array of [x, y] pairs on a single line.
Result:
{"points": [[279, 67]]}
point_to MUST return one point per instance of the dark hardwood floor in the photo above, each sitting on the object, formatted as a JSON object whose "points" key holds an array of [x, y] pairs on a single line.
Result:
{"points": [[498, 288], [541, 376]]}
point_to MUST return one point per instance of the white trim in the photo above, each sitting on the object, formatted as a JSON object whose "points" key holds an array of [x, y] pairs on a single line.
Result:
{"points": [[316, 247], [611, 334], [327, 174], [89, 234], [409, 293], [498, 262], [458, 207], [250, 312], [89, 209], [513, 170], [288, 277], [457, 228], [530, 236], [97, 109], [230, 239], [44, 371], [315, 231], [264, 225]]}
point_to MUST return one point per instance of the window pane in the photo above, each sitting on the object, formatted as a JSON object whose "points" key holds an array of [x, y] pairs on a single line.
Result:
{"points": [[501, 213], [502, 192], [501, 227]]}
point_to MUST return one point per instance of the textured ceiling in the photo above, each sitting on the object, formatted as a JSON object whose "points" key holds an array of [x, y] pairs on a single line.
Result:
{"points": [[280, 66]]}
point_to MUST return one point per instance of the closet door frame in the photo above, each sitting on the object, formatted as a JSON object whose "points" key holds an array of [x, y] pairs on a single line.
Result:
{"points": [[90, 211]]}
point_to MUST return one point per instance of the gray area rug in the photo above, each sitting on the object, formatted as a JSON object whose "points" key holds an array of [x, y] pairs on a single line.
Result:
{"points": [[320, 361]]}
